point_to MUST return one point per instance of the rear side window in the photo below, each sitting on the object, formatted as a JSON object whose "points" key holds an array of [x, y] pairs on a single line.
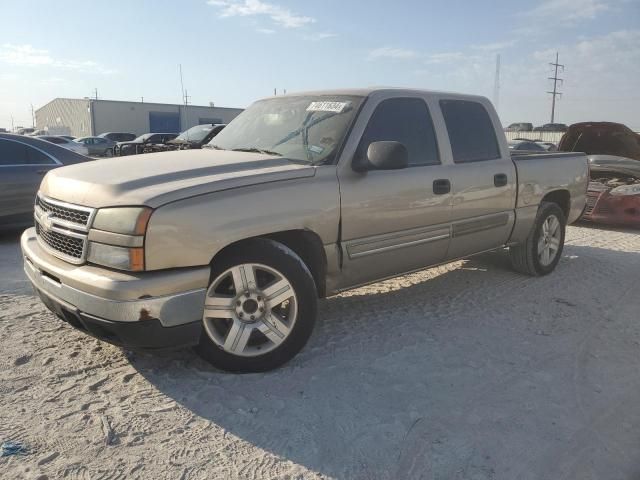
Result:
{"points": [[404, 120], [471, 133], [36, 157], [12, 153]]}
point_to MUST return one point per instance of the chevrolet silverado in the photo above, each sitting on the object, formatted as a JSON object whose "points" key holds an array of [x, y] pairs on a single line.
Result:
{"points": [[302, 196]]}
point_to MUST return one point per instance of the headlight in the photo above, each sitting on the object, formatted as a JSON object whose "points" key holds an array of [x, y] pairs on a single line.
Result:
{"points": [[626, 190], [121, 258], [125, 220]]}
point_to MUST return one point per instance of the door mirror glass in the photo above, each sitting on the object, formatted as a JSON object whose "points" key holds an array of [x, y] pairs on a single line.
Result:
{"points": [[385, 155]]}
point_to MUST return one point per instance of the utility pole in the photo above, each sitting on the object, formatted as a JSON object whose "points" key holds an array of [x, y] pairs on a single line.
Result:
{"points": [[141, 99], [496, 86], [555, 92], [33, 117], [184, 97], [13, 128], [95, 93]]}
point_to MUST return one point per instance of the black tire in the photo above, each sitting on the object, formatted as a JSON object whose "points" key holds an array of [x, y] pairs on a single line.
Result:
{"points": [[524, 257], [277, 256]]}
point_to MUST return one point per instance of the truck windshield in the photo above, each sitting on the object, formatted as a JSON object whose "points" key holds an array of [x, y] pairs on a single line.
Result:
{"points": [[308, 128]]}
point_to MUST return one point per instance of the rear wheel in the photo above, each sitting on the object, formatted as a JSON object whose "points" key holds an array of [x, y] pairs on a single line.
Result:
{"points": [[541, 251], [259, 310]]}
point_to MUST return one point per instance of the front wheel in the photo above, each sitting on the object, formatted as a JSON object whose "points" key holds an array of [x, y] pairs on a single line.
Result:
{"points": [[259, 310], [541, 251]]}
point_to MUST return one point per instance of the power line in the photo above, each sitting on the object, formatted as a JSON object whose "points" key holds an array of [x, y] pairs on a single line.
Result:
{"points": [[555, 92]]}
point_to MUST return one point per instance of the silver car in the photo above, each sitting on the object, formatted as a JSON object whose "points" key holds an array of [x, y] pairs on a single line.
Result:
{"points": [[97, 145]]}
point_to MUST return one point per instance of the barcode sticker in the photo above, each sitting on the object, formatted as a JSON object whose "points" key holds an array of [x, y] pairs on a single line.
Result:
{"points": [[336, 107]]}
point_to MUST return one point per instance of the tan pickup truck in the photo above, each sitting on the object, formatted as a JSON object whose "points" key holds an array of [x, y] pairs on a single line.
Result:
{"points": [[302, 196]]}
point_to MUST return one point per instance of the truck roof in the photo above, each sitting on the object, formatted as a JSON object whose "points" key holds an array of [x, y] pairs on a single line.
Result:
{"points": [[367, 91]]}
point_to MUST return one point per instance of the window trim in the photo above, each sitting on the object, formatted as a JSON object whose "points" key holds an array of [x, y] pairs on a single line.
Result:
{"points": [[55, 160], [493, 128], [433, 128]]}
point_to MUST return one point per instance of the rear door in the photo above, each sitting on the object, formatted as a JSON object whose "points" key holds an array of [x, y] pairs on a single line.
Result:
{"points": [[393, 221], [483, 178], [21, 170]]}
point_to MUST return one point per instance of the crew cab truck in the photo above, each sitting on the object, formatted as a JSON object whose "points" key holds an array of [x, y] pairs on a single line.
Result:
{"points": [[302, 196]]}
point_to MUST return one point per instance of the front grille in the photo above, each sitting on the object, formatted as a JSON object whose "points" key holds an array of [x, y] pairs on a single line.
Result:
{"points": [[592, 199], [63, 244], [70, 214], [62, 228]]}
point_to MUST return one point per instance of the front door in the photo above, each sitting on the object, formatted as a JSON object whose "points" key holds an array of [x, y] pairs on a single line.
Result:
{"points": [[395, 221]]}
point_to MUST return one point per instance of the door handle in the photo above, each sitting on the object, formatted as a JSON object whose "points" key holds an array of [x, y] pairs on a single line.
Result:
{"points": [[441, 186], [500, 180]]}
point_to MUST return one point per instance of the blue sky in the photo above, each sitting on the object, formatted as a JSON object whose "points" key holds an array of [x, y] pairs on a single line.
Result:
{"points": [[235, 51]]}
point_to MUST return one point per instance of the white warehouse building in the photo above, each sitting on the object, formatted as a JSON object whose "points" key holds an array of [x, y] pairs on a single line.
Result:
{"points": [[84, 117]]}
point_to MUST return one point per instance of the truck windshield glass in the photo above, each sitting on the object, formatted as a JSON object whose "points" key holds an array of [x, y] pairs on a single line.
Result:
{"points": [[307, 128]]}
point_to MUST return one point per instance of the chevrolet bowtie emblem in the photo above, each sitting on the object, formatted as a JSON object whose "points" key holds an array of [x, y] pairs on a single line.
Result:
{"points": [[46, 222]]}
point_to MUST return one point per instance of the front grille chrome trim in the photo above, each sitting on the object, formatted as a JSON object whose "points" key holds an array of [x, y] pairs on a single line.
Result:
{"points": [[91, 212], [51, 221]]}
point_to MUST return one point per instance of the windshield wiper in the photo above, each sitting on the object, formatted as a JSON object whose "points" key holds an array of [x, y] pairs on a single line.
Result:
{"points": [[215, 147], [256, 150]]}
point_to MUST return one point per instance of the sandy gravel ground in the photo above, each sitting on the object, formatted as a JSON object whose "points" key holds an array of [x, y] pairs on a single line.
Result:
{"points": [[467, 371]]}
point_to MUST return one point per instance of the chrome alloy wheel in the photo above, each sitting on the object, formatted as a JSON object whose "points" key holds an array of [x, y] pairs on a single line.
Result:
{"points": [[249, 310], [549, 241]]}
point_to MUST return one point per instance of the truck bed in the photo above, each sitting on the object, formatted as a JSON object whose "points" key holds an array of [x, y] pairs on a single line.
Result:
{"points": [[539, 173]]}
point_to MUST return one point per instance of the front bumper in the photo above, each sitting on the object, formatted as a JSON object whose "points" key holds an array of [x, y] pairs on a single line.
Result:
{"points": [[149, 309], [623, 210]]}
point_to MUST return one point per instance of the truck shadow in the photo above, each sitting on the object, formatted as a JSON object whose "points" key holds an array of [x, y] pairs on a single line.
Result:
{"points": [[418, 377]]}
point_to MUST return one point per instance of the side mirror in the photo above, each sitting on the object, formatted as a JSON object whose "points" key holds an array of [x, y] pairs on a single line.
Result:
{"points": [[384, 155]]}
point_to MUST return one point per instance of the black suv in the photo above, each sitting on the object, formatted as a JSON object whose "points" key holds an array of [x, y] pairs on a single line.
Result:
{"points": [[118, 136], [143, 144]]}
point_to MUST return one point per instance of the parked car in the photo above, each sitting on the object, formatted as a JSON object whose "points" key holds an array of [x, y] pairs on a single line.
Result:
{"points": [[613, 196], [118, 136], [299, 197], [551, 127], [519, 127], [23, 163], [614, 158], [97, 145], [526, 145], [37, 133], [25, 130], [143, 144], [196, 137], [548, 146], [3, 130], [65, 143], [68, 137]]}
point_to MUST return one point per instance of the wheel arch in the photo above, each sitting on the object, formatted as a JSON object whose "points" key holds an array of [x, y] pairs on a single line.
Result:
{"points": [[305, 243], [560, 197]]}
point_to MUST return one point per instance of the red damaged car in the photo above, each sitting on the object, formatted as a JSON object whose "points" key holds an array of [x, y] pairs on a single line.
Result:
{"points": [[613, 196]]}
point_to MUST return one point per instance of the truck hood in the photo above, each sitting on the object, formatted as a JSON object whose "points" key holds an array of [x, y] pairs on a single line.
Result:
{"points": [[158, 178]]}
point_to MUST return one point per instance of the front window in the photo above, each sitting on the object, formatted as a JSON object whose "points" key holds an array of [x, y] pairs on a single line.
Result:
{"points": [[142, 138], [307, 128], [195, 134]]}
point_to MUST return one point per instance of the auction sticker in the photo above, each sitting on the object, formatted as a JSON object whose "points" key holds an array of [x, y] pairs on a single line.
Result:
{"points": [[337, 107]]}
